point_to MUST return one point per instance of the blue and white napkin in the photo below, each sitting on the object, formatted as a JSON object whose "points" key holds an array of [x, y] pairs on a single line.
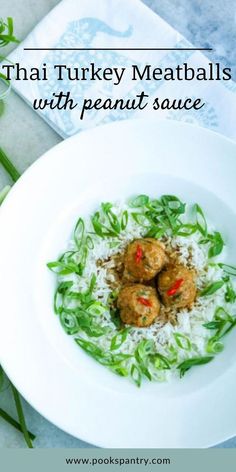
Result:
{"points": [[118, 24]]}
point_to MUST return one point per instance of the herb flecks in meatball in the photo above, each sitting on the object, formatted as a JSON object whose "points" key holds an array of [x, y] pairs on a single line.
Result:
{"points": [[138, 304], [177, 287], [143, 259]]}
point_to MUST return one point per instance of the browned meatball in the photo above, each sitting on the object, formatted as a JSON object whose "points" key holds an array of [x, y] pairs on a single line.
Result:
{"points": [[138, 304], [144, 258], [177, 287]]}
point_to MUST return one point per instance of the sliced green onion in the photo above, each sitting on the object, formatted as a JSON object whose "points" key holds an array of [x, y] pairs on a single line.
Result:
{"points": [[112, 218], [142, 352], [186, 230], [115, 318], [222, 315], [155, 232], [212, 288], [69, 322], [63, 268], [92, 329], [100, 229], [119, 339], [174, 204], [230, 294], [186, 365], [105, 358], [140, 201], [124, 220], [96, 308], [141, 219], [201, 220], [136, 375], [217, 245], [214, 346], [92, 349], [160, 362], [92, 284], [61, 290], [120, 370], [231, 270], [89, 242], [182, 341], [214, 324], [174, 354], [79, 233], [227, 330]]}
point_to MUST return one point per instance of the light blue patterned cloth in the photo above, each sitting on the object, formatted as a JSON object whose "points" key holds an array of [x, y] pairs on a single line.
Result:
{"points": [[118, 24]]}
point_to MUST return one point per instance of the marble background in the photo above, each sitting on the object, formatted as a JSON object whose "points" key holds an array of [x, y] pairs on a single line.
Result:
{"points": [[207, 23]]}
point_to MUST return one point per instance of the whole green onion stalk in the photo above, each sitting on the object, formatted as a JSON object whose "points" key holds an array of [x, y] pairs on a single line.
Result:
{"points": [[9, 166], [6, 37], [7, 32], [19, 425]]}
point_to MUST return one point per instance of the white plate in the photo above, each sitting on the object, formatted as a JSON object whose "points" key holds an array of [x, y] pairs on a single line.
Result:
{"points": [[52, 373]]}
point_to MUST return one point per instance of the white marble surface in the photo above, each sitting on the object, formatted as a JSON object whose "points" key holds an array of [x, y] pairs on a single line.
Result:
{"points": [[205, 23]]}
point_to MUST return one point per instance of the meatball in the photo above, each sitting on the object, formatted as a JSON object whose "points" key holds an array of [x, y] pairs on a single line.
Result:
{"points": [[138, 304], [177, 287], [143, 259]]}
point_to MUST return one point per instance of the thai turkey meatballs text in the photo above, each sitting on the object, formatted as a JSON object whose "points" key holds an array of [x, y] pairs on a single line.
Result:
{"points": [[144, 258]]}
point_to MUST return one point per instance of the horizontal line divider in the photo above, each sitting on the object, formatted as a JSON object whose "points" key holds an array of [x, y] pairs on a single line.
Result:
{"points": [[118, 49]]}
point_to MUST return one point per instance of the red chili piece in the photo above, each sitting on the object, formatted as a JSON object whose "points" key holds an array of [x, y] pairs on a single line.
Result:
{"points": [[144, 301], [139, 254], [172, 290]]}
